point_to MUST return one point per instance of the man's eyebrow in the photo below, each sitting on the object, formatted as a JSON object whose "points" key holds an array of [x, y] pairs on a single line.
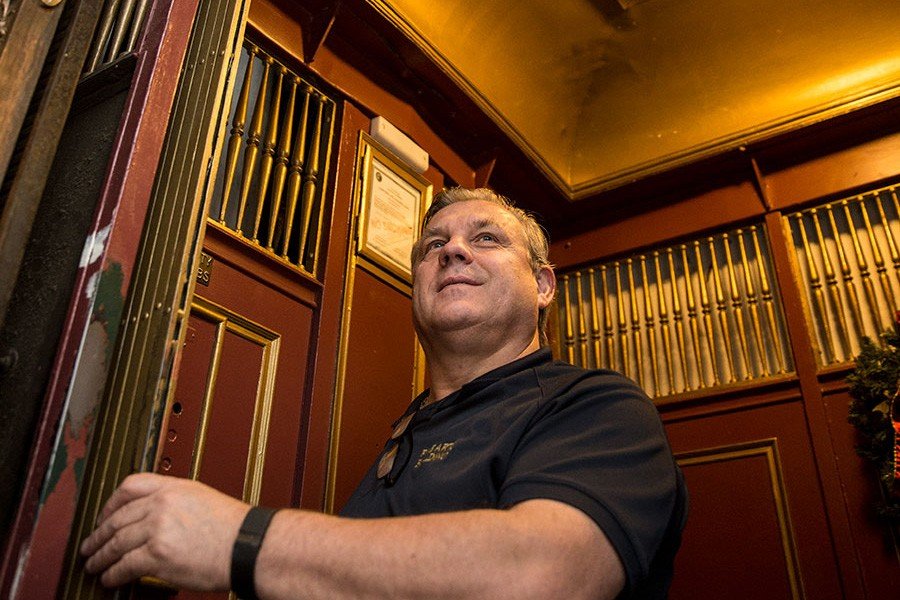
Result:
{"points": [[486, 223], [432, 231], [482, 223]]}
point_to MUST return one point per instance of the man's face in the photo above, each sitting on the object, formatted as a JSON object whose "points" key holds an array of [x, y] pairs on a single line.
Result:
{"points": [[475, 274]]}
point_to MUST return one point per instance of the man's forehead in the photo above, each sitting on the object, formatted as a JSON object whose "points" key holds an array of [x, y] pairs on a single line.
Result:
{"points": [[473, 214]]}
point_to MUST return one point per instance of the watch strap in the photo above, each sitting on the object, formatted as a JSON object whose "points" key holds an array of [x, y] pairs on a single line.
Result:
{"points": [[246, 549]]}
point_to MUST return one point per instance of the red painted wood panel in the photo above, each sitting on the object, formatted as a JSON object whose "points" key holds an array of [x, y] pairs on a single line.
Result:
{"points": [[230, 424], [183, 420], [731, 520], [731, 558], [378, 377]]}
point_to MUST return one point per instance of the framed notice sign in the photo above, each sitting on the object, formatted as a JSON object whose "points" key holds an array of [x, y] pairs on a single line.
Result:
{"points": [[392, 201]]}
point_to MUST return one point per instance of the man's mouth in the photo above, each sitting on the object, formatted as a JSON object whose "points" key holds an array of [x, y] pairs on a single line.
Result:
{"points": [[457, 280]]}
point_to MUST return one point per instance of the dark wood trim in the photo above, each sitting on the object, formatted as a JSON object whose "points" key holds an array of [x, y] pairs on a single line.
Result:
{"points": [[820, 437], [486, 168], [730, 398], [321, 19], [311, 493], [245, 257]]}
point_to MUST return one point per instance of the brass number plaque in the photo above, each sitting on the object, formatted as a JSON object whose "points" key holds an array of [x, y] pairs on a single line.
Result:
{"points": [[204, 271]]}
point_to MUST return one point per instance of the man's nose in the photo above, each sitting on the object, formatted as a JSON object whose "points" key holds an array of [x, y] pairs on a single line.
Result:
{"points": [[455, 250]]}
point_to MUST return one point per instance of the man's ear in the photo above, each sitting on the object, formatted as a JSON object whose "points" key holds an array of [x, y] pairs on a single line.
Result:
{"points": [[546, 284]]}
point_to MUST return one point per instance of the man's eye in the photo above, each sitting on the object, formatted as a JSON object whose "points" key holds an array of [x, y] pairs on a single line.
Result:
{"points": [[487, 237], [434, 245]]}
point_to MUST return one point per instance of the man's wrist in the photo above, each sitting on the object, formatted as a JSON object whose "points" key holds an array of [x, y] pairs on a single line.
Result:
{"points": [[246, 550]]}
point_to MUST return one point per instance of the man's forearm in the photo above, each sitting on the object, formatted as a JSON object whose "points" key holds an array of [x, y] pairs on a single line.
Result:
{"points": [[538, 549]]}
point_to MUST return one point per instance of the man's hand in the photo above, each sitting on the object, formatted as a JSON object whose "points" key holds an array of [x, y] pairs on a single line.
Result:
{"points": [[178, 530]]}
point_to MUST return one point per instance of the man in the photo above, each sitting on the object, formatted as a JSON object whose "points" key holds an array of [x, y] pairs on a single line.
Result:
{"points": [[513, 476]]}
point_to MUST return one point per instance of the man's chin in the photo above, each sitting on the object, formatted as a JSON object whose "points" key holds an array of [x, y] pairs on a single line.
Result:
{"points": [[453, 321]]}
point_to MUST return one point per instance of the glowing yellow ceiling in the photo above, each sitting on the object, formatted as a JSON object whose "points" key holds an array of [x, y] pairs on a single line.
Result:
{"points": [[598, 95]]}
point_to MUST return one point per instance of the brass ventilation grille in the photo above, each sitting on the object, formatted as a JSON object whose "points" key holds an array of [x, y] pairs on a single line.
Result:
{"points": [[117, 32], [270, 185], [847, 253], [679, 318]]}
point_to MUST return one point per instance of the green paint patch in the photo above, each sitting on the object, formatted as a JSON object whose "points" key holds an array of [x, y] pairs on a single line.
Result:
{"points": [[58, 465], [79, 470], [108, 304]]}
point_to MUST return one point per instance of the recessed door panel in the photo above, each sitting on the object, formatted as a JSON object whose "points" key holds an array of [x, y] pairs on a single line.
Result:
{"points": [[235, 420]]}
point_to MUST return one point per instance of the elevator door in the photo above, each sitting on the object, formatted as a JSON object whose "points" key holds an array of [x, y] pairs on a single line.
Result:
{"points": [[235, 420]]}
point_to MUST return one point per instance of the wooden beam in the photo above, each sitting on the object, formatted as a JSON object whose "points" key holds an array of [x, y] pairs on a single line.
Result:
{"points": [[317, 27]]}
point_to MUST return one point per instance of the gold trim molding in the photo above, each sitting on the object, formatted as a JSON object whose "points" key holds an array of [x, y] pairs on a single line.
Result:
{"points": [[227, 321], [768, 449]]}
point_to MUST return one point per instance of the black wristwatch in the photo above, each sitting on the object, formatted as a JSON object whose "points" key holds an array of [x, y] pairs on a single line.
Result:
{"points": [[246, 549]]}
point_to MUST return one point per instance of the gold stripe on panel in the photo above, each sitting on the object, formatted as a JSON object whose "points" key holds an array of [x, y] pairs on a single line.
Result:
{"points": [[692, 318], [318, 172], [650, 324], [679, 320], [737, 307], [236, 139], [846, 275], [268, 152], [295, 173], [281, 163], [262, 414], [862, 265], [889, 233], [582, 330], [595, 319], [765, 291], [269, 341], [707, 315], [310, 178], [664, 323], [753, 305], [607, 320], [622, 323], [570, 335], [199, 307], [815, 285], [877, 257], [831, 283], [721, 309], [252, 149], [635, 323]]}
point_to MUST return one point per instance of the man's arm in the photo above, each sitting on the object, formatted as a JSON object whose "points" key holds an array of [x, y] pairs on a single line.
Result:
{"points": [[182, 532]]}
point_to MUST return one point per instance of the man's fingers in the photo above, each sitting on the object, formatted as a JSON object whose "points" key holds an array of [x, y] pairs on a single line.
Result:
{"points": [[130, 513], [123, 542], [133, 487], [129, 567]]}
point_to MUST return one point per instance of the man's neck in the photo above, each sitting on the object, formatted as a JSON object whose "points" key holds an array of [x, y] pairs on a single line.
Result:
{"points": [[452, 366]]}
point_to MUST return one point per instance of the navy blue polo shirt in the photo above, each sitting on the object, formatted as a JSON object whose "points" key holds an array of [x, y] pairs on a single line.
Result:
{"points": [[539, 428]]}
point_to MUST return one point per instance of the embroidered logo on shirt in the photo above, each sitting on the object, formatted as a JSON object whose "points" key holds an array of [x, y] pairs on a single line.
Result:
{"points": [[434, 453]]}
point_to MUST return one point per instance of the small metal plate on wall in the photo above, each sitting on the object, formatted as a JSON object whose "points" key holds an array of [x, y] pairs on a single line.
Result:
{"points": [[204, 270]]}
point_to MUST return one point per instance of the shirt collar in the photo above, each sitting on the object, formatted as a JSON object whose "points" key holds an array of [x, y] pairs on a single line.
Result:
{"points": [[536, 358]]}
